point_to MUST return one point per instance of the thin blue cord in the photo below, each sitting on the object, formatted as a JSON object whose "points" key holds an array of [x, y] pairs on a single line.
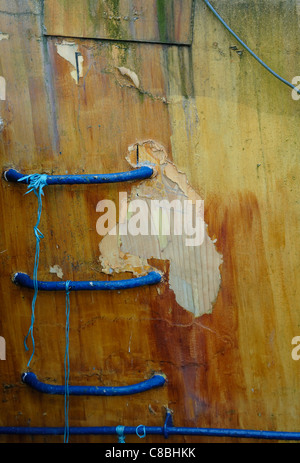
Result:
{"points": [[67, 364], [36, 183], [248, 49]]}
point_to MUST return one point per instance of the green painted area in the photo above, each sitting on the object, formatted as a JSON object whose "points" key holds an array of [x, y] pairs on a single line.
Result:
{"points": [[114, 25], [166, 20], [108, 11], [96, 10], [162, 19], [186, 67], [114, 6]]}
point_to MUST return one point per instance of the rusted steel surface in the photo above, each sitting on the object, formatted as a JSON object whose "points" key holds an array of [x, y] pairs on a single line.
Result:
{"points": [[76, 105]]}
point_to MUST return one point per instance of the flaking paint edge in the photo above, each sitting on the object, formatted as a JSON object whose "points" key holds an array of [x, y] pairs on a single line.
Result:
{"points": [[194, 274], [68, 51]]}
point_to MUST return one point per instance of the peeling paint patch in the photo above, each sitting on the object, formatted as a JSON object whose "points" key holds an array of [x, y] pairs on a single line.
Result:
{"points": [[127, 78], [131, 75], [2, 89], [113, 260], [194, 273], [69, 51], [3, 36], [57, 270]]}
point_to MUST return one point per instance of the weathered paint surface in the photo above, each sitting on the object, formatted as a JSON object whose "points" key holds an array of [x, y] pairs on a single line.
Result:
{"points": [[156, 21], [233, 130], [194, 264]]}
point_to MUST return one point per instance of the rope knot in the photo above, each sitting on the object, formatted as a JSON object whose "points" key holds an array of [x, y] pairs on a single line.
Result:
{"points": [[120, 433], [36, 183], [38, 234], [141, 436], [68, 287]]}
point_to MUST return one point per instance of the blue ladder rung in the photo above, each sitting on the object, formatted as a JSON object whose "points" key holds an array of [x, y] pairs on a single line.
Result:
{"points": [[152, 278], [156, 381], [141, 173]]}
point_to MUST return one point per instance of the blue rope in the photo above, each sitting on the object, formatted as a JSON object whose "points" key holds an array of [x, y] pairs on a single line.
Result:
{"points": [[248, 49], [120, 433], [36, 183], [141, 436], [67, 364]]}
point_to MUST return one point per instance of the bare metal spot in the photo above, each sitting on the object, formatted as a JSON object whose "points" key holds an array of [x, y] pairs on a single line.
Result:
{"points": [[194, 273], [57, 270]]}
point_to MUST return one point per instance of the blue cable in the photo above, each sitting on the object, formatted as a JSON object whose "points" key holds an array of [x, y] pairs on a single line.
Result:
{"points": [[249, 50], [36, 183], [67, 364]]}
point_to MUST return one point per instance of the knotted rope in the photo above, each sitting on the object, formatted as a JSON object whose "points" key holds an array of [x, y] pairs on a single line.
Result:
{"points": [[36, 183], [141, 436], [120, 433]]}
